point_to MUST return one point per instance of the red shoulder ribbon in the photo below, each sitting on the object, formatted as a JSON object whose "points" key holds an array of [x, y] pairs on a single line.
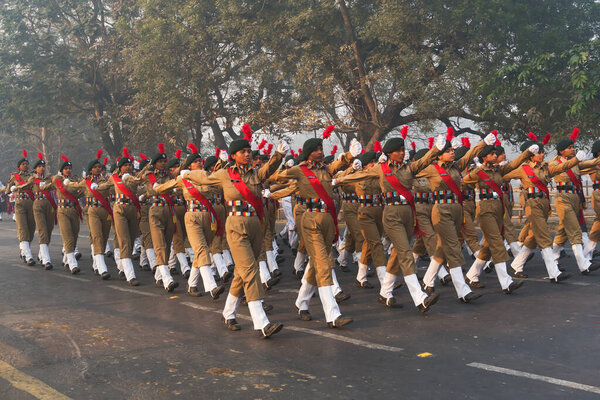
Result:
{"points": [[21, 182], [449, 182], [323, 195], [167, 198], [399, 187], [246, 193], [486, 178], [204, 201], [61, 188], [125, 190], [48, 197], [577, 182], [98, 196], [535, 180]]}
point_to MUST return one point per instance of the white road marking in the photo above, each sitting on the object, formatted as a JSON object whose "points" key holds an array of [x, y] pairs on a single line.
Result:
{"points": [[122, 289], [73, 277], [356, 342], [554, 381]]}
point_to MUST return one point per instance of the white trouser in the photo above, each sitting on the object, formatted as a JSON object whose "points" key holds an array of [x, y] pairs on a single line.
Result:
{"points": [[117, 255], [305, 293], [265, 275], [590, 248], [143, 257], [458, 280], [259, 318], [151, 257], [361, 275], [164, 275], [515, 248], [336, 285], [183, 264], [520, 259], [343, 258], [45, 254], [127, 266], [387, 285], [380, 273], [26, 249], [431, 273], [231, 305], [503, 276], [550, 263], [299, 261], [190, 253], [330, 306], [227, 257], [194, 277], [417, 294], [271, 260], [582, 261], [71, 261], [475, 270], [100, 263], [208, 279], [172, 259], [556, 249], [108, 247], [94, 266], [219, 263]]}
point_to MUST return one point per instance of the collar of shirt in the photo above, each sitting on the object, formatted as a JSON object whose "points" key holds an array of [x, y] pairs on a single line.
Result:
{"points": [[317, 165], [444, 165], [491, 166], [396, 164], [161, 173], [242, 169]]}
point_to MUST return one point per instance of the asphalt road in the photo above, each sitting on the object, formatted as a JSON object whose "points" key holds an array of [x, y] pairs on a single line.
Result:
{"points": [[78, 337]]}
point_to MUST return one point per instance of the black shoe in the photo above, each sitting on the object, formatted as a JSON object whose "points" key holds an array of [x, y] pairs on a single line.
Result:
{"points": [[230, 268], [276, 273], [341, 296], [271, 329], [470, 297], [370, 272], [513, 286], [158, 283], [339, 322], [270, 283], [446, 280], [243, 301], [560, 267], [105, 276], [428, 302], [48, 266], [216, 292], [108, 254], [474, 284], [425, 258], [520, 275], [299, 274], [173, 271], [267, 307], [529, 257], [153, 269], [342, 267], [186, 274], [488, 268], [96, 272], [145, 267], [226, 277], [172, 286], [591, 268], [428, 289], [217, 278], [364, 285], [280, 251], [75, 271], [122, 275], [561, 277], [135, 256], [510, 253], [77, 256], [397, 285], [303, 314], [193, 291], [390, 303], [133, 282], [596, 253], [231, 324], [280, 259], [294, 252], [563, 254], [31, 262]]}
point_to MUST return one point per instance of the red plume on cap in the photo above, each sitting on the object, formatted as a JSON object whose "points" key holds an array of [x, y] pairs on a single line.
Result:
{"points": [[118, 158], [497, 143], [99, 153], [531, 136], [178, 154], [450, 133], [546, 139], [126, 152], [143, 156], [413, 146], [105, 160], [161, 148], [404, 131], [334, 150], [299, 150], [270, 147], [192, 148], [262, 144], [292, 153], [24, 153], [64, 158], [217, 152], [430, 142], [465, 142], [327, 131], [495, 133], [247, 132], [377, 146], [40, 157], [574, 135]]}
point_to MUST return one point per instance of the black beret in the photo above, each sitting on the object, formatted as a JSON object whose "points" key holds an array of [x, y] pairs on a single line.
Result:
{"points": [[411, 154], [209, 162], [158, 156], [124, 160], [190, 159], [173, 162], [92, 163], [21, 161], [500, 150], [311, 145], [38, 163], [393, 144], [255, 153], [486, 150], [64, 165], [238, 145], [460, 152], [420, 153], [143, 163], [596, 148], [328, 159], [563, 144], [367, 157]]}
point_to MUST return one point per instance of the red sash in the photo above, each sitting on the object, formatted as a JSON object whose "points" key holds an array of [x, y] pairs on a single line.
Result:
{"points": [[204, 201], [21, 182], [398, 187], [577, 182], [246, 193], [48, 197], [61, 188], [535, 180], [125, 190], [167, 198], [98, 196], [486, 178], [449, 182], [323, 195]]}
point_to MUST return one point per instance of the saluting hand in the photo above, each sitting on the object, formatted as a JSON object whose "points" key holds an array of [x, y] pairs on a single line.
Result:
{"points": [[223, 156], [283, 147], [356, 164], [355, 148]]}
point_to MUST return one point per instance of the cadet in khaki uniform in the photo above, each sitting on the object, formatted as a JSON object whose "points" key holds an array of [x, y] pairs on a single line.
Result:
{"points": [[595, 177], [468, 233], [354, 239], [490, 213], [398, 217], [201, 226], [69, 213], [144, 221], [537, 208], [510, 233], [568, 202], [44, 211], [243, 227], [180, 235], [447, 214], [23, 209], [318, 226]]}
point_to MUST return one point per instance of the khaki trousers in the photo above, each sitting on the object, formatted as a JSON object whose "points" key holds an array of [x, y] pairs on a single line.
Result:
{"points": [[595, 231], [68, 222], [490, 218], [99, 222], [398, 222], [43, 213], [370, 220], [145, 227], [244, 235], [217, 244], [161, 229], [567, 208], [350, 211], [468, 232], [180, 234], [447, 222], [126, 228], [319, 231], [428, 242], [510, 233], [25, 220], [200, 234], [299, 211]]}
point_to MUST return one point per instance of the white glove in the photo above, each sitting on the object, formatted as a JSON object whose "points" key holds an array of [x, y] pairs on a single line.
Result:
{"points": [[283, 147], [266, 192], [333, 182], [440, 142], [355, 148], [141, 197], [223, 156], [67, 180], [476, 161], [183, 172], [356, 164], [490, 139], [455, 143], [13, 188], [290, 163], [155, 185], [42, 184], [125, 176], [534, 148], [382, 158], [93, 186], [580, 155], [503, 163], [406, 156]]}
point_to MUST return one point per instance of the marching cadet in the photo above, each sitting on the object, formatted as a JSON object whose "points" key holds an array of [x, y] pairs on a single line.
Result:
{"points": [[510, 233], [99, 211], [535, 174], [319, 226], [144, 220], [44, 208], [491, 212], [202, 224], [23, 209], [69, 213], [445, 176], [242, 191], [568, 202], [396, 178], [595, 231]]}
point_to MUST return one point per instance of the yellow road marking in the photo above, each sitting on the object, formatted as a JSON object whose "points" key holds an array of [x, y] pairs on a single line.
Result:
{"points": [[29, 384]]}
